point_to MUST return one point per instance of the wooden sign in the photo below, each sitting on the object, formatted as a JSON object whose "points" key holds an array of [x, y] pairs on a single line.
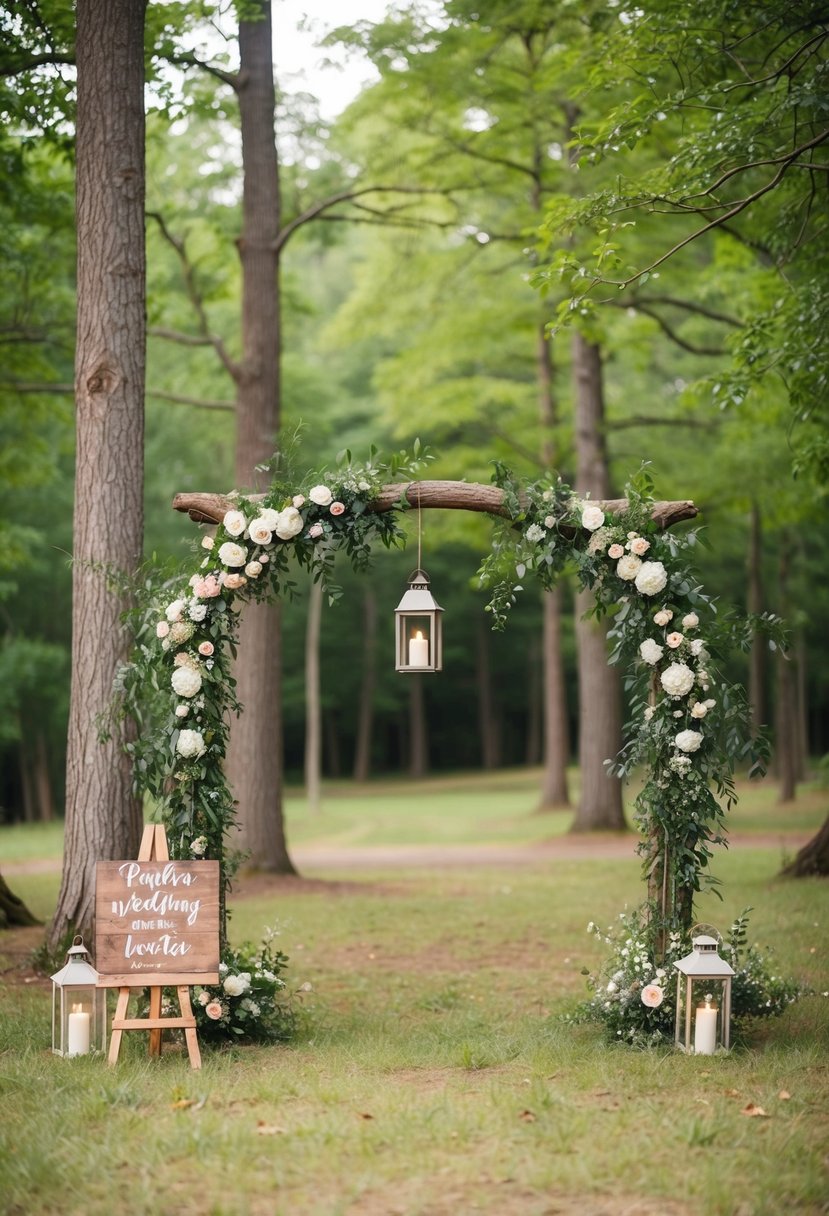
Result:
{"points": [[157, 923]]}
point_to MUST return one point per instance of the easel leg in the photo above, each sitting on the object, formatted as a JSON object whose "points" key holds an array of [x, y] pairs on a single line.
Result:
{"points": [[190, 1035], [155, 1014], [120, 1014]]}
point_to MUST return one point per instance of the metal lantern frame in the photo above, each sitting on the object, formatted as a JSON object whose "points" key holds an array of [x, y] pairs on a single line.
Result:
{"points": [[418, 613], [79, 1016], [697, 973]]}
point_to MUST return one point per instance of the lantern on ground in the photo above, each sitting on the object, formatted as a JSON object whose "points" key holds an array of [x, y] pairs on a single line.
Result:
{"points": [[703, 999], [418, 628], [78, 1005]]}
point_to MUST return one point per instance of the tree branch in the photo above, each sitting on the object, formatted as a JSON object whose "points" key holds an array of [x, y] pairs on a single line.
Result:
{"points": [[199, 402], [692, 306], [10, 68], [173, 335], [344, 196], [666, 328], [236, 80]]}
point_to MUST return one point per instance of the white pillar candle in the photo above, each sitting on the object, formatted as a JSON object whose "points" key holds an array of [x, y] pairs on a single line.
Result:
{"points": [[705, 1029], [418, 650], [77, 1032]]}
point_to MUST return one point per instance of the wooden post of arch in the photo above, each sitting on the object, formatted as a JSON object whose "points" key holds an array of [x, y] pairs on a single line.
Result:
{"points": [[207, 508]]}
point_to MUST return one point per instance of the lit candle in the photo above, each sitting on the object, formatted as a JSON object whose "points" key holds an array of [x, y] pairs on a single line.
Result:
{"points": [[418, 650], [705, 1029], [77, 1036]]}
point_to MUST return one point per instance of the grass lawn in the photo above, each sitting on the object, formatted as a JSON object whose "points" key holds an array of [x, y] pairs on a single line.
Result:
{"points": [[433, 1075]]}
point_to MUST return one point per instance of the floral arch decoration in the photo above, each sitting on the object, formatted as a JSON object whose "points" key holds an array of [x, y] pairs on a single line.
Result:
{"points": [[688, 725]]}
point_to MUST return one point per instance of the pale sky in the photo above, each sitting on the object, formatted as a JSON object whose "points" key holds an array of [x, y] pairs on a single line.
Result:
{"points": [[299, 63]]}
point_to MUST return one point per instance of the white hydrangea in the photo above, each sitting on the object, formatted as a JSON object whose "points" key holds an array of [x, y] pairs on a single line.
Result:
{"points": [[534, 533], [651, 578], [190, 744], [677, 680], [185, 681], [688, 740], [651, 651]]}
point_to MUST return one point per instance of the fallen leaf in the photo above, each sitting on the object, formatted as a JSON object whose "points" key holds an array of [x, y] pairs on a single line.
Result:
{"points": [[753, 1111], [365, 1115], [784, 1095], [527, 1116], [269, 1129], [183, 1103]]}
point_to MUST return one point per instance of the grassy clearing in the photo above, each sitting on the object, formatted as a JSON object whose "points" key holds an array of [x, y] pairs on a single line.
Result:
{"points": [[433, 1074]]}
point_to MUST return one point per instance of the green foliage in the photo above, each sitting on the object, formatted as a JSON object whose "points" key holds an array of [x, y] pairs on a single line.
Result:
{"points": [[251, 1003]]}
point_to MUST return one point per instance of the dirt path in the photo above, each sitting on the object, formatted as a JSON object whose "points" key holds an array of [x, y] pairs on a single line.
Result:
{"points": [[592, 846]]}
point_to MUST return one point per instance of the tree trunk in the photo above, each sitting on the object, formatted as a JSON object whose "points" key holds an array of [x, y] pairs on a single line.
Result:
{"points": [[813, 858], [13, 912], [785, 742], [600, 803], [418, 732], [755, 602], [313, 710], [556, 737], [365, 714], [103, 817], [487, 717], [254, 760], [554, 792]]}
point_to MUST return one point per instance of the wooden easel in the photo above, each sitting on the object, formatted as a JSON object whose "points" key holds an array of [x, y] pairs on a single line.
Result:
{"points": [[154, 848]]}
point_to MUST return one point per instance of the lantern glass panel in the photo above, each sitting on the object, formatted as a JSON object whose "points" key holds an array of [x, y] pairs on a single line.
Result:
{"points": [[78, 1007], [703, 1014]]}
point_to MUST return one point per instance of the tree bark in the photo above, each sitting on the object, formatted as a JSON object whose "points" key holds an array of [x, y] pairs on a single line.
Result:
{"points": [[600, 802], [313, 708], [103, 817], [813, 858], [254, 759], [365, 714], [13, 912]]}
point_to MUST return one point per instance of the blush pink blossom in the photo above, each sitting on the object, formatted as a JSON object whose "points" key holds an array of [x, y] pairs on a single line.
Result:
{"points": [[639, 546], [207, 588], [234, 581], [162, 629], [205, 648], [663, 617], [652, 996], [315, 531], [674, 640], [214, 1010], [615, 552], [336, 508]]}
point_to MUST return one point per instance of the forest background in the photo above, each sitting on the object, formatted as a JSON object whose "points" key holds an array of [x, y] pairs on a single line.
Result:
{"points": [[433, 305]]}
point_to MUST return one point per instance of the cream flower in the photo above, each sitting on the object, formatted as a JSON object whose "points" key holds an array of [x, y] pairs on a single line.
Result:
{"points": [[204, 997], [298, 500], [270, 517], [699, 709], [688, 740], [615, 552], [690, 621], [162, 629], [234, 523], [697, 647], [185, 681], [207, 542], [663, 617], [231, 554], [674, 640], [651, 651], [321, 495], [677, 680], [260, 532], [214, 1010], [652, 996], [235, 985], [253, 569], [315, 531], [337, 508], [592, 517], [290, 524], [206, 648], [534, 533], [182, 711], [173, 611], [628, 567], [651, 578], [639, 546], [199, 846], [234, 581], [190, 744]]}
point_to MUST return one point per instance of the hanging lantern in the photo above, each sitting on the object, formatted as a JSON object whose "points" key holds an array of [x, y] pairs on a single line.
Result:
{"points": [[78, 1005], [418, 628], [703, 999]]}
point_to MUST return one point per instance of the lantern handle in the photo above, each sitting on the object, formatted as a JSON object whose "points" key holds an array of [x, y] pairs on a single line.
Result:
{"points": [[702, 927]]}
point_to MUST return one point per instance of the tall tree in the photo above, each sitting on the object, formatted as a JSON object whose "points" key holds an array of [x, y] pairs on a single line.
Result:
{"points": [[103, 816]]}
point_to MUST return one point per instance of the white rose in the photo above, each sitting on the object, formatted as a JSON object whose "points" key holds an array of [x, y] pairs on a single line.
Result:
{"points": [[235, 985], [663, 617], [650, 710], [321, 495], [639, 546], [182, 710], [290, 523], [185, 681], [204, 997], [207, 542], [677, 680], [270, 516], [199, 846], [697, 647], [190, 744], [690, 620], [232, 554], [688, 740], [253, 569], [628, 567], [260, 531], [699, 709], [173, 611], [651, 651], [234, 523], [651, 578], [298, 500], [592, 517]]}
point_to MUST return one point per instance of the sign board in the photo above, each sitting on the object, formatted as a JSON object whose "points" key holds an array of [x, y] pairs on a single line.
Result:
{"points": [[157, 923]]}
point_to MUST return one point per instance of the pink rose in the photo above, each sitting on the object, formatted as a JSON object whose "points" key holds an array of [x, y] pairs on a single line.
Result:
{"points": [[663, 617], [674, 640], [652, 996], [214, 1010], [336, 508], [234, 581], [298, 501], [639, 546], [315, 531], [615, 552], [205, 648], [207, 588]]}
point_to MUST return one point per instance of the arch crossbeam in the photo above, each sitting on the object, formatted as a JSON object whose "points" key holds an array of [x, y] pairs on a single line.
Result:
{"points": [[209, 508]]}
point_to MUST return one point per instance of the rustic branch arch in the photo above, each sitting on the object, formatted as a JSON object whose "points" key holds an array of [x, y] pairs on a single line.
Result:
{"points": [[622, 552]]}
